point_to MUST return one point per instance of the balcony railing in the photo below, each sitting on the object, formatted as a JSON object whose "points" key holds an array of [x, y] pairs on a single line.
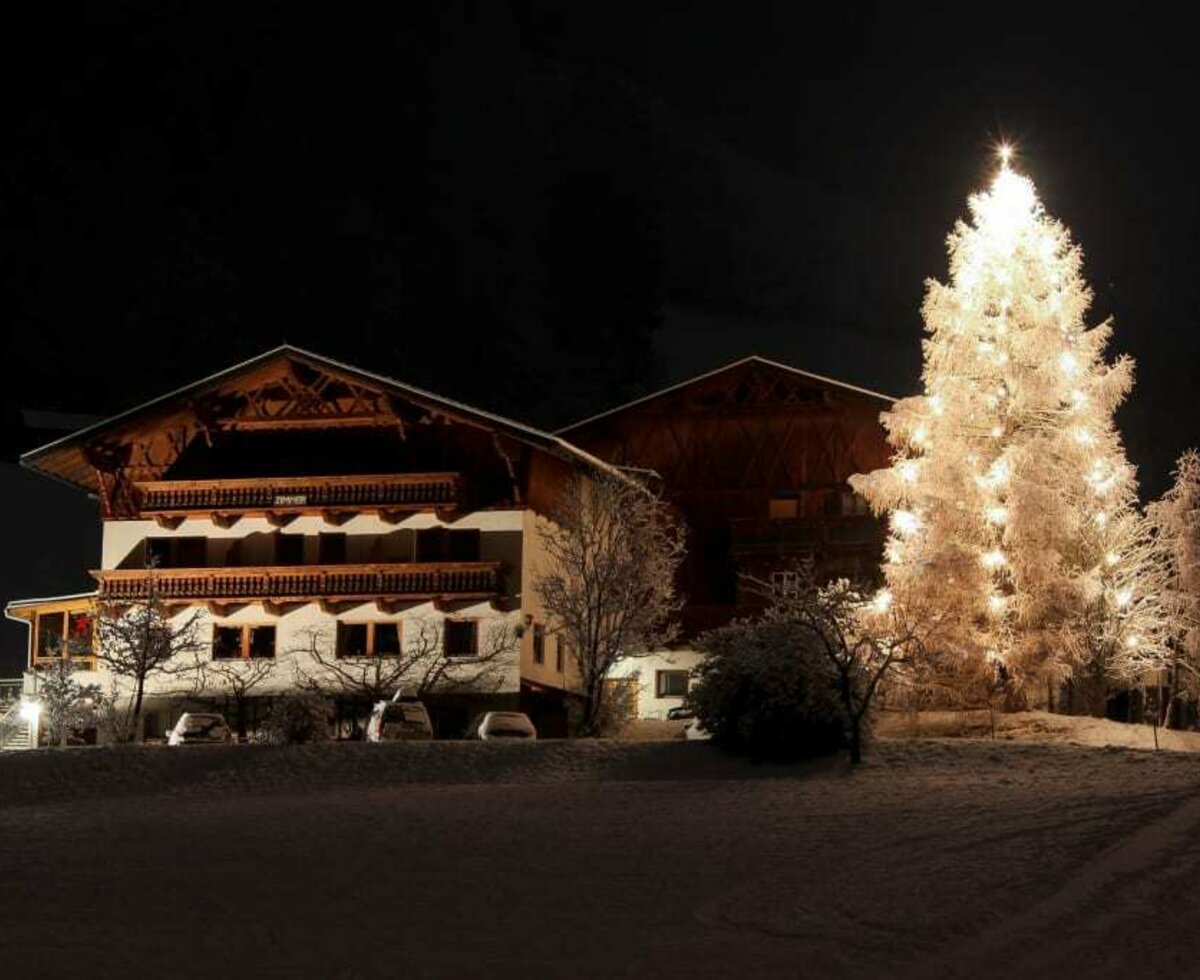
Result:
{"points": [[305, 582], [793, 535], [296, 494]]}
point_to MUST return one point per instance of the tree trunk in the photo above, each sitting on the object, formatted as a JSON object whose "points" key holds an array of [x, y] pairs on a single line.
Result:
{"points": [[855, 741], [136, 718]]}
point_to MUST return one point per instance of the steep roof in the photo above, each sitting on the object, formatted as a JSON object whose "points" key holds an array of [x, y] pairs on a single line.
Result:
{"points": [[65, 458], [731, 366]]}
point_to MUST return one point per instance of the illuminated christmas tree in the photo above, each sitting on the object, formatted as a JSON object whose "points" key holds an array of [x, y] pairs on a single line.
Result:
{"points": [[1013, 517]]}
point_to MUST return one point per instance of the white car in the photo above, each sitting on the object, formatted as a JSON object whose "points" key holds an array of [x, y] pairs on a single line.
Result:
{"points": [[495, 726], [399, 720], [199, 728]]}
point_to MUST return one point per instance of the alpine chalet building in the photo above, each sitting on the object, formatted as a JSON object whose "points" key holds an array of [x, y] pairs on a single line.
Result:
{"points": [[293, 500]]}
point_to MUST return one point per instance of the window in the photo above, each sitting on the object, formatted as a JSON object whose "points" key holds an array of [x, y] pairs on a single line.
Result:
{"points": [[846, 503], [261, 644], [190, 552], [227, 642], [459, 638], [331, 549], [386, 637], [243, 642], [429, 544], [368, 639], [352, 639], [783, 506], [785, 583], [854, 504], [462, 545], [80, 627], [670, 683], [289, 549], [50, 634], [558, 654], [441, 544], [539, 644]]}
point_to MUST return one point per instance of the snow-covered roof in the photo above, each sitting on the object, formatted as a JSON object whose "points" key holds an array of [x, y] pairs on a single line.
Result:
{"points": [[519, 430], [751, 359]]}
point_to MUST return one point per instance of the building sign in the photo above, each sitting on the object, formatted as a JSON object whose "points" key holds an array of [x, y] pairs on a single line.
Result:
{"points": [[290, 500]]}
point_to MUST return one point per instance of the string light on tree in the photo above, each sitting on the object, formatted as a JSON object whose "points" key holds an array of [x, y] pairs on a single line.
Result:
{"points": [[1024, 494]]}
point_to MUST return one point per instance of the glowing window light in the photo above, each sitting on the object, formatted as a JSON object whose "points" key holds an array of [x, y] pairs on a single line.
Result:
{"points": [[906, 522], [993, 559]]}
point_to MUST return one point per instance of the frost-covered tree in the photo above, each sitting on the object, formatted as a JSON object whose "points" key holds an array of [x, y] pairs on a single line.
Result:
{"points": [[1012, 506], [612, 549], [140, 640], [66, 703], [1176, 522]]}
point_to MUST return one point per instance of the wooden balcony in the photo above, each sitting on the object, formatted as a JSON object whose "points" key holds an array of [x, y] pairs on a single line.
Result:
{"points": [[304, 583], [390, 495], [800, 535]]}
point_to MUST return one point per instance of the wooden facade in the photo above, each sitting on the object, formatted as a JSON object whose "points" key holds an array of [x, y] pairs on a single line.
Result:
{"points": [[756, 457]]}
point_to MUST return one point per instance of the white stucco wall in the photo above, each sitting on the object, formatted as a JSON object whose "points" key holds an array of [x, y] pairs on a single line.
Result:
{"points": [[122, 540], [645, 668]]}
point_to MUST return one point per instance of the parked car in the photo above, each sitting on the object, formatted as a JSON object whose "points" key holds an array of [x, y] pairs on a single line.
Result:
{"points": [[199, 728], [498, 725], [399, 720], [680, 712]]}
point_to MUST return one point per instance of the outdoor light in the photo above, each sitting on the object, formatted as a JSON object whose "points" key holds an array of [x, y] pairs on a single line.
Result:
{"points": [[29, 711]]}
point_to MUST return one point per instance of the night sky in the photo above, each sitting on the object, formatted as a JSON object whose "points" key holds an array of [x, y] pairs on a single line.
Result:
{"points": [[545, 213]]}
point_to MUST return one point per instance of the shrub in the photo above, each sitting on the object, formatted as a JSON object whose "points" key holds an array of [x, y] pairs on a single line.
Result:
{"points": [[764, 691], [297, 719]]}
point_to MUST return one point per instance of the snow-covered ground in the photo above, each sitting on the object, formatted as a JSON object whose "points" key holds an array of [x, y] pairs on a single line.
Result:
{"points": [[938, 857]]}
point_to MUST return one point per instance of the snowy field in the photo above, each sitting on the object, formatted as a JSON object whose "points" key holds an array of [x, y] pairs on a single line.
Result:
{"points": [[939, 857]]}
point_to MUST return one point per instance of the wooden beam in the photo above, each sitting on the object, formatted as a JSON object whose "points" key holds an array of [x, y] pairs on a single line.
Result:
{"points": [[277, 519], [168, 521], [391, 606], [452, 604], [280, 607], [223, 609], [221, 519], [336, 517]]}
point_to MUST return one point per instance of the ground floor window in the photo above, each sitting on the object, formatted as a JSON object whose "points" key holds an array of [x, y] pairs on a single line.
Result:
{"points": [[460, 638], [250, 642], [368, 639], [670, 683]]}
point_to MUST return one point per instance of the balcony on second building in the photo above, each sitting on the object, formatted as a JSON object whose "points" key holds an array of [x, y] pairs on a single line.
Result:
{"points": [[798, 536]]}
